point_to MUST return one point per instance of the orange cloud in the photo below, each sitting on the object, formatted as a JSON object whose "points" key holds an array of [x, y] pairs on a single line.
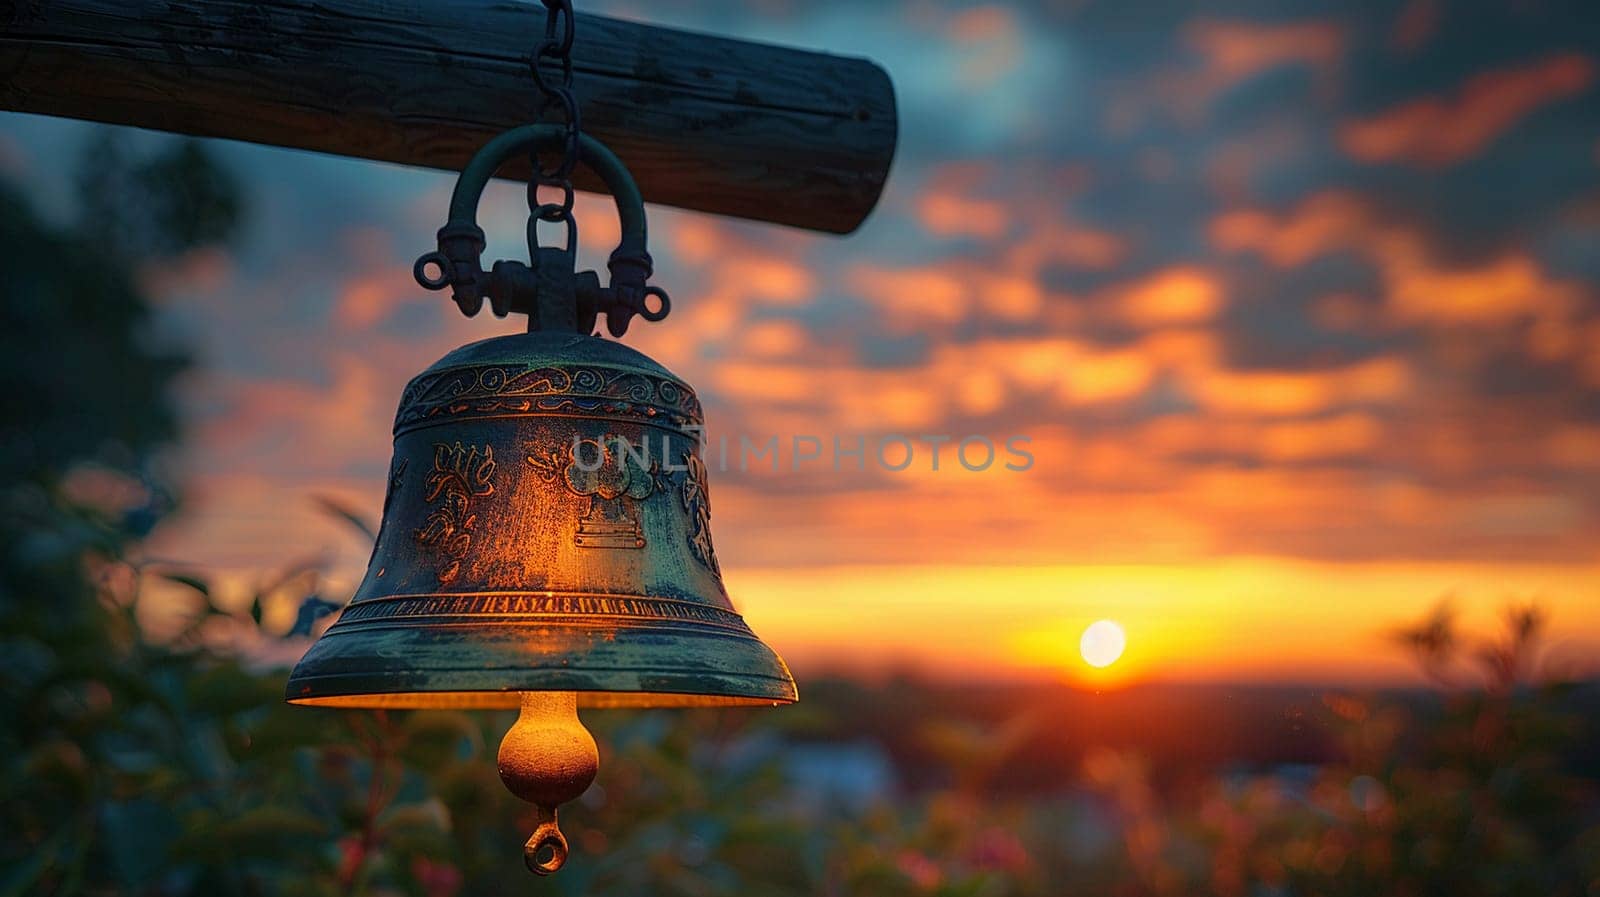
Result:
{"points": [[996, 39], [368, 297], [1417, 288], [1575, 446], [951, 203], [1439, 132], [775, 280], [1379, 380], [722, 274], [378, 281], [1345, 435], [950, 293], [774, 338], [1235, 51], [1176, 296], [1229, 53], [1076, 372], [1417, 22], [926, 293], [982, 200], [1104, 377], [205, 271], [1056, 243], [946, 293], [695, 240], [1512, 286], [1324, 222], [948, 214]]}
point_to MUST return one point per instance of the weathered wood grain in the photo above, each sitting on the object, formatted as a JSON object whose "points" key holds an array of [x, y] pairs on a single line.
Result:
{"points": [[706, 123]]}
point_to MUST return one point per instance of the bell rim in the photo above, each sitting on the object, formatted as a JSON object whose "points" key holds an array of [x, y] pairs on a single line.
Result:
{"points": [[509, 699], [615, 663], [384, 690]]}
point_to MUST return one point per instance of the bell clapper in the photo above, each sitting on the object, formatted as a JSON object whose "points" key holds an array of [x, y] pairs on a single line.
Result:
{"points": [[548, 758]]}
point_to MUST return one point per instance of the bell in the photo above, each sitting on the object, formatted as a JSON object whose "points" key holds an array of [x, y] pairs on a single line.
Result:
{"points": [[546, 540], [546, 528]]}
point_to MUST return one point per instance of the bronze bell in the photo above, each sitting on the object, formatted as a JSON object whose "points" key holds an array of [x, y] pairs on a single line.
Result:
{"points": [[546, 536]]}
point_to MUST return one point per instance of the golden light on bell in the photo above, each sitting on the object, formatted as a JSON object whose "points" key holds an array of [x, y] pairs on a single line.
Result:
{"points": [[546, 533]]}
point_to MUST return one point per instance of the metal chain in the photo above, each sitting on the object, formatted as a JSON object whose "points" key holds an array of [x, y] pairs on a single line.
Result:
{"points": [[557, 104]]}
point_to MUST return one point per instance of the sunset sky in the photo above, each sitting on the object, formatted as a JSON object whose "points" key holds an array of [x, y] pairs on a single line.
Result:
{"points": [[1297, 305]]}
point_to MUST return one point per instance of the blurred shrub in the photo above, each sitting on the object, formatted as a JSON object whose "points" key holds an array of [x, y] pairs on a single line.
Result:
{"points": [[1470, 792]]}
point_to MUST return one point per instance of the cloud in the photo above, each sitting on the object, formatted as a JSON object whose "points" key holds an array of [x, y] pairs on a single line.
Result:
{"points": [[1415, 25], [1375, 381], [1182, 295], [1508, 287], [993, 39], [1324, 222], [1345, 435], [1437, 132], [1418, 287], [947, 213], [1235, 51], [198, 272], [914, 293], [367, 300], [1224, 54]]}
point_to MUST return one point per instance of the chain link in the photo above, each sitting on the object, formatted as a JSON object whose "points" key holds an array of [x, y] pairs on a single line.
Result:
{"points": [[559, 105]]}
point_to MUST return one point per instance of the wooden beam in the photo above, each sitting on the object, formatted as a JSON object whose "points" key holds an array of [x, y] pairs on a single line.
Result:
{"points": [[705, 123]]}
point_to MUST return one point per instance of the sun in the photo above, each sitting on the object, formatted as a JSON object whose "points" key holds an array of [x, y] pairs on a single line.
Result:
{"points": [[1102, 643]]}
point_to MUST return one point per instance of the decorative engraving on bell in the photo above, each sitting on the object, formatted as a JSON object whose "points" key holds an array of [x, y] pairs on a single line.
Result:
{"points": [[613, 482], [547, 528]]}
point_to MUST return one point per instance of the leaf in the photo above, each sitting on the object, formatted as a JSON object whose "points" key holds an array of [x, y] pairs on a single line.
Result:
{"points": [[266, 832], [198, 585], [193, 582], [425, 820], [339, 509], [288, 573], [255, 609], [229, 689], [20, 878], [284, 730], [137, 834], [312, 609], [434, 739]]}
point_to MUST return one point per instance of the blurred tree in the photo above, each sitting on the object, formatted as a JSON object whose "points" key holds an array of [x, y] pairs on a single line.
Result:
{"points": [[156, 206], [88, 404]]}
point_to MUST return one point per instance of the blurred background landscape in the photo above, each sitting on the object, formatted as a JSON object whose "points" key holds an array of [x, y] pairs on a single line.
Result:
{"points": [[1299, 305]]}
